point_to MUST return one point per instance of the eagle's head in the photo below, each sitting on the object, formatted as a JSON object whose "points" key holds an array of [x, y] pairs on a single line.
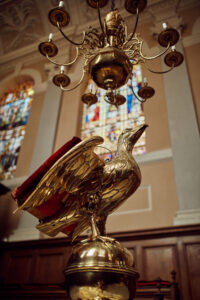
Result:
{"points": [[130, 136]]}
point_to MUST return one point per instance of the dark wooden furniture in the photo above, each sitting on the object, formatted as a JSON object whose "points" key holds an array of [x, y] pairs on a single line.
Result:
{"points": [[33, 269]]}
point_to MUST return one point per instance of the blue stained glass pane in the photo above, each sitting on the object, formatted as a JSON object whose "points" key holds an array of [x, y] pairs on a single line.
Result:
{"points": [[14, 112]]}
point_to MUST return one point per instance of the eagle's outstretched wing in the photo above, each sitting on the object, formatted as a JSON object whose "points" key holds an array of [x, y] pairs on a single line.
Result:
{"points": [[69, 174]]}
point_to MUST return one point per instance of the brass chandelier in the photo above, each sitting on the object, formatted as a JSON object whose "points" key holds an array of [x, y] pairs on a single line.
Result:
{"points": [[110, 54]]}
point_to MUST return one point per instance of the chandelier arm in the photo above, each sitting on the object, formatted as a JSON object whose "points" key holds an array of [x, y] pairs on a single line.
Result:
{"points": [[157, 72], [135, 27], [67, 64], [152, 57], [99, 16], [68, 39], [139, 99], [112, 7], [71, 89]]}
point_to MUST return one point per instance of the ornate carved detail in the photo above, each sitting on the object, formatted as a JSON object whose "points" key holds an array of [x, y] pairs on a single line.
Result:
{"points": [[17, 21]]}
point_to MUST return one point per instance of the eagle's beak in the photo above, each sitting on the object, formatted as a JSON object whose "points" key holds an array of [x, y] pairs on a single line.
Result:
{"points": [[137, 134]]}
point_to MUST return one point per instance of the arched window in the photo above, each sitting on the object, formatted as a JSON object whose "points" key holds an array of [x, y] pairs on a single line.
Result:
{"points": [[14, 112], [107, 121]]}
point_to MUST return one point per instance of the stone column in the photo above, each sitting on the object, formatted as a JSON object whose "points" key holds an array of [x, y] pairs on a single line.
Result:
{"points": [[185, 143], [47, 127], [183, 125]]}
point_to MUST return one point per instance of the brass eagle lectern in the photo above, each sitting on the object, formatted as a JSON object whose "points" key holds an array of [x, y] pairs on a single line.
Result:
{"points": [[99, 267]]}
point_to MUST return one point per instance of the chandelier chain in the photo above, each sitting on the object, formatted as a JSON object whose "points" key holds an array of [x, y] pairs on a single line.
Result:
{"points": [[112, 5]]}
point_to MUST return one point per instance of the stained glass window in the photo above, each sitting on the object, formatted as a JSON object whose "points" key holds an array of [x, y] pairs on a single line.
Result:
{"points": [[107, 121], [14, 112]]}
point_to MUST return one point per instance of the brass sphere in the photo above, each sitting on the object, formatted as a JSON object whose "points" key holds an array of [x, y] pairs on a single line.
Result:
{"points": [[100, 269], [113, 21], [93, 3], [59, 14], [48, 48], [168, 36], [61, 80], [132, 5], [110, 68], [174, 58]]}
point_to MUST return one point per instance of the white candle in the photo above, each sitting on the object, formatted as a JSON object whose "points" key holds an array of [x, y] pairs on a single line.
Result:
{"points": [[145, 81], [164, 25], [61, 3], [62, 69], [50, 37], [173, 48]]}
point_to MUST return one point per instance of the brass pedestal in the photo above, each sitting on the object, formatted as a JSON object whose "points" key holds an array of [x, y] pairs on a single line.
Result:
{"points": [[101, 269]]}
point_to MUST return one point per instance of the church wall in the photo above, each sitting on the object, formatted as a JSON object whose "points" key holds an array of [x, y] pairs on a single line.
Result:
{"points": [[157, 135], [153, 205]]}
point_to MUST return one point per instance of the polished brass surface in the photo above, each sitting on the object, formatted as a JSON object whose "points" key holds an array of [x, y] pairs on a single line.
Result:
{"points": [[110, 68], [93, 3], [132, 5], [103, 253], [115, 30], [174, 58], [48, 48], [98, 187], [168, 36], [146, 92], [101, 269], [89, 99], [61, 80], [112, 21], [59, 15]]}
